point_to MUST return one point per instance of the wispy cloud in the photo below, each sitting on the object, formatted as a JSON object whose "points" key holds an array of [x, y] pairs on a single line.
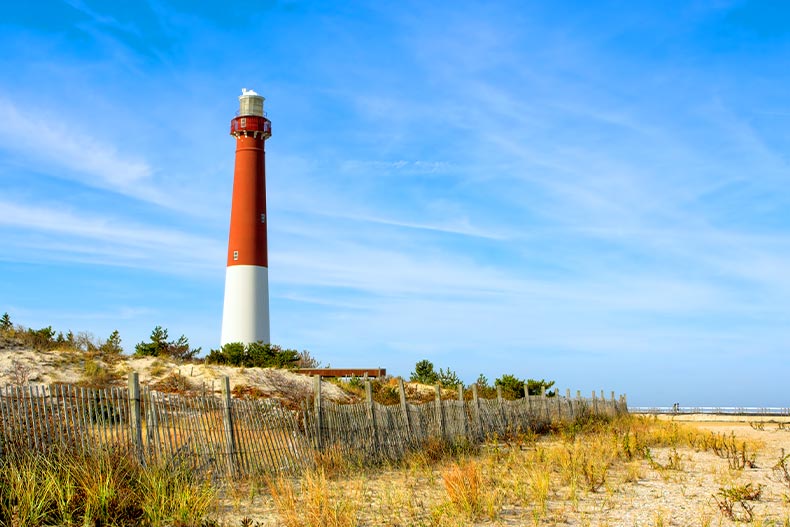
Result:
{"points": [[105, 240], [70, 154]]}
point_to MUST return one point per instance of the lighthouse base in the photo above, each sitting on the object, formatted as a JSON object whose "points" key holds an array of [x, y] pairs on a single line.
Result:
{"points": [[245, 315]]}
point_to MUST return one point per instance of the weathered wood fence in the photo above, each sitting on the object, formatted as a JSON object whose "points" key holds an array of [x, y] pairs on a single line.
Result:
{"points": [[215, 435], [376, 431], [224, 436]]}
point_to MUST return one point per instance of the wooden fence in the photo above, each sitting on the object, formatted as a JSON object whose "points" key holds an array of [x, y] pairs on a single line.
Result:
{"points": [[222, 436], [214, 435], [375, 431]]}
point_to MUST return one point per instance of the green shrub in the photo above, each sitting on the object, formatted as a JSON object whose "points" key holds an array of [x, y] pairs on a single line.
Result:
{"points": [[254, 355], [5, 323], [513, 387], [112, 345], [159, 346], [536, 387], [448, 378], [484, 389], [39, 339], [424, 373]]}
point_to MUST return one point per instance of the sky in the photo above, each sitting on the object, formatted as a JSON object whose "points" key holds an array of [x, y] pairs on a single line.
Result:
{"points": [[595, 193]]}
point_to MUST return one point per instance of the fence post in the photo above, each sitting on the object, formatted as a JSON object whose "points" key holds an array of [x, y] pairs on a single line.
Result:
{"points": [[319, 418], [135, 420], [463, 411], [476, 400], [371, 412], [594, 403], [404, 407], [440, 411], [230, 439]]}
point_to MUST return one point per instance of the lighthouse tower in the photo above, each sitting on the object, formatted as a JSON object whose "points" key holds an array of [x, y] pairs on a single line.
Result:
{"points": [[245, 316]]}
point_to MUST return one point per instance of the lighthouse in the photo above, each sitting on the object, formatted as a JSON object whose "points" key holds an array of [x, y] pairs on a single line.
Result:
{"points": [[245, 315]]}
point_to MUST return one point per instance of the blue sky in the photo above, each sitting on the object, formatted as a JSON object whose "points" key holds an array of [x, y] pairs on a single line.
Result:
{"points": [[591, 192]]}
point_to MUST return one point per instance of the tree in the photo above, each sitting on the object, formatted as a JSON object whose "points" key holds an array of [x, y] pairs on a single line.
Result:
{"points": [[484, 389], [307, 360], [113, 344], [85, 341], [512, 386], [5, 323], [155, 347], [424, 373], [448, 378], [159, 346], [536, 387], [40, 339]]}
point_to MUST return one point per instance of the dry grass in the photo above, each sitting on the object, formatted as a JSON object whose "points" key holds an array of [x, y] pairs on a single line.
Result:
{"points": [[468, 494], [315, 504], [106, 488], [629, 471]]}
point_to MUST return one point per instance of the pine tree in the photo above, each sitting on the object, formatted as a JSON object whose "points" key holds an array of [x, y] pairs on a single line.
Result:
{"points": [[5, 323], [113, 344]]}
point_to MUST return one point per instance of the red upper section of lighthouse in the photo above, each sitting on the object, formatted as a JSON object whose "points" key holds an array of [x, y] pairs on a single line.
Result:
{"points": [[249, 124], [247, 242]]}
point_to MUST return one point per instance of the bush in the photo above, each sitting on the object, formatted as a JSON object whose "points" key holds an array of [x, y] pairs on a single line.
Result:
{"points": [[5, 323], [307, 360], [536, 387], [484, 389], [39, 339], [159, 346], [424, 373], [513, 387], [97, 375], [112, 345], [448, 378], [254, 355]]}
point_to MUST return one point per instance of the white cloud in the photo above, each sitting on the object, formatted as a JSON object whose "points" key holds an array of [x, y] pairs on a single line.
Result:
{"points": [[65, 234], [46, 142]]}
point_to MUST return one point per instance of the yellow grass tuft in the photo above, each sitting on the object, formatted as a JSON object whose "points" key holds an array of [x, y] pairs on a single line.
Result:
{"points": [[314, 505]]}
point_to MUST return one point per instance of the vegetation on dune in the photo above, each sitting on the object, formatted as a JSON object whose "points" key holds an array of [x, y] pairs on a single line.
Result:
{"points": [[425, 373], [46, 339], [159, 346], [102, 488], [254, 355]]}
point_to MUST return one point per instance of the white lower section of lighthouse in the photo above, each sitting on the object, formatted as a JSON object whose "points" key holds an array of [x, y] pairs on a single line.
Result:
{"points": [[245, 317]]}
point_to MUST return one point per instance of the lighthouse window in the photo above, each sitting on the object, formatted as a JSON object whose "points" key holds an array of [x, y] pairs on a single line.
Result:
{"points": [[263, 218], [235, 255], [243, 122]]}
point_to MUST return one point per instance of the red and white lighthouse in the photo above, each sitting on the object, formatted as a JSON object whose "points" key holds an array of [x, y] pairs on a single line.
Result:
{"points": [[245, 316]]}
